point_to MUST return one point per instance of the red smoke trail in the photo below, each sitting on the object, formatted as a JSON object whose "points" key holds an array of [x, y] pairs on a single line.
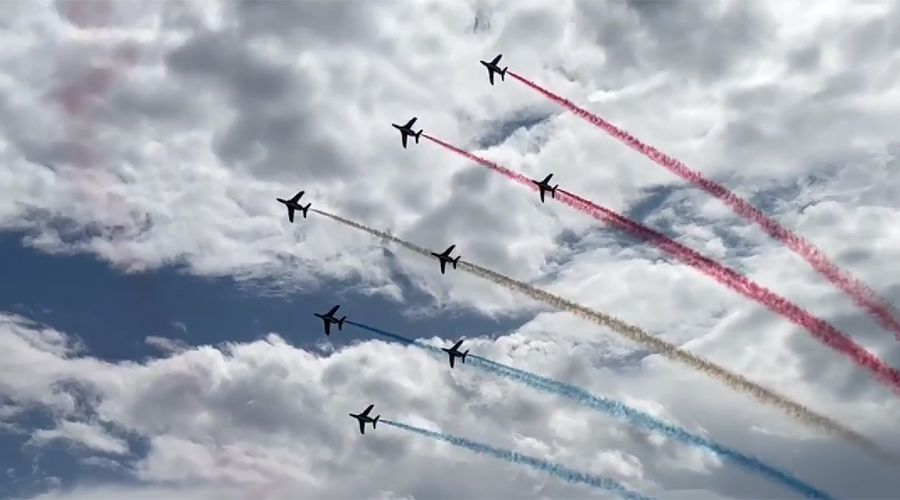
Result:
{"points": [[820, 329], [861, 294]]}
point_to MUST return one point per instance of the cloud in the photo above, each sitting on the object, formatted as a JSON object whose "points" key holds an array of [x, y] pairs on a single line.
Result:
{"points": [[91, 436], [267, 118], [160, 134], [166, 345], [191, 409]]}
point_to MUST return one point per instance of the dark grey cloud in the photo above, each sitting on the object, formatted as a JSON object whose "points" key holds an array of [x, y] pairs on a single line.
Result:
{"points": [[274, 132], [86, 13], [497, 132], [701, 40], [695, 40], [306, 24]]}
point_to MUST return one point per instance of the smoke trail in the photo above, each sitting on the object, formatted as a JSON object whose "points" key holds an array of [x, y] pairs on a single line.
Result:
{"points": [[820, 329], [735, 381], [858, 291], [560, 471], [618, 410]]}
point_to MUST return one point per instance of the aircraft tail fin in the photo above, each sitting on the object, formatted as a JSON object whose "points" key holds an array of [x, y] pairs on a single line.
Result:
{"points": [[418, 134], [464, 355], [553, 191], [375, 422], [503, 73], [304, 209], [456, 261], [341, 323]]}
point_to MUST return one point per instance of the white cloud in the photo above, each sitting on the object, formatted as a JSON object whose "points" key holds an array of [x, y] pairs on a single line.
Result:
{"points": [[166, 345], [202, 436], [161, 133], [91, 436]]}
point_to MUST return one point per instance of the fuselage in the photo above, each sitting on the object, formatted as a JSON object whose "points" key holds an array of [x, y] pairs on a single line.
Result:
{"points": [[491, 66], [405, 130], [290, 203], [329, 319]]}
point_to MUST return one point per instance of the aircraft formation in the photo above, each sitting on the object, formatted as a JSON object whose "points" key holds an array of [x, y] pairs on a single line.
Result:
{"points": [[545, 186], [444, 258]]}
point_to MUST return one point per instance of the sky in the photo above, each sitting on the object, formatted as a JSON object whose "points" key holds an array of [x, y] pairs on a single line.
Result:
{"points": [[156, 305]]}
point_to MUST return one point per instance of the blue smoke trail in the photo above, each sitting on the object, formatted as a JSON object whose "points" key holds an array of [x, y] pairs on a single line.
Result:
{"points": [[560, 471], [620, 411]]}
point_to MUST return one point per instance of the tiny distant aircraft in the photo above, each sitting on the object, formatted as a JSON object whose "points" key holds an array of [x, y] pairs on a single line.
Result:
{"points": [[364, 417], [545, 186], [406, 131], [328, 318], [454, 352], [445, 258], [493, 68], [293, 205]]}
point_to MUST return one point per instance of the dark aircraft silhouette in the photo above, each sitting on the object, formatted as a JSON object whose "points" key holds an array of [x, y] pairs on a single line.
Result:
{"points": [[454, 352], [406, 131], [293, 205], [545, 186], [328, 318], [445, 258], [364, 417], [493, 68]]}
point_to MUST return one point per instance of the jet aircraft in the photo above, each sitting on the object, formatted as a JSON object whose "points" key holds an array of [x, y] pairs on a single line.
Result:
{"points": [[493, 68], [445, 258], [293, 205], [544, 185], [364, 417], [406, 131], [328, 318], [454, 352]]}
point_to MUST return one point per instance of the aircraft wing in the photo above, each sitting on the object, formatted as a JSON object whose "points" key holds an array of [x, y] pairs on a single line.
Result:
{"points": [[327, 326], [491, 75], [542, 194], [496, 59], [367, 410], [410, 123], [297, 196], [443, 266], [448, 250], [332, 311], [456, 346], [291, 214], [362, 427], [403, 138], [452, 357], [547, 179]]}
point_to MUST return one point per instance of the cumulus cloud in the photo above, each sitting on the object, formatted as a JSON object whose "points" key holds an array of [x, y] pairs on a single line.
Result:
{"points": [[156, 134], [165, 344], [90, 436], [263, 419]]}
